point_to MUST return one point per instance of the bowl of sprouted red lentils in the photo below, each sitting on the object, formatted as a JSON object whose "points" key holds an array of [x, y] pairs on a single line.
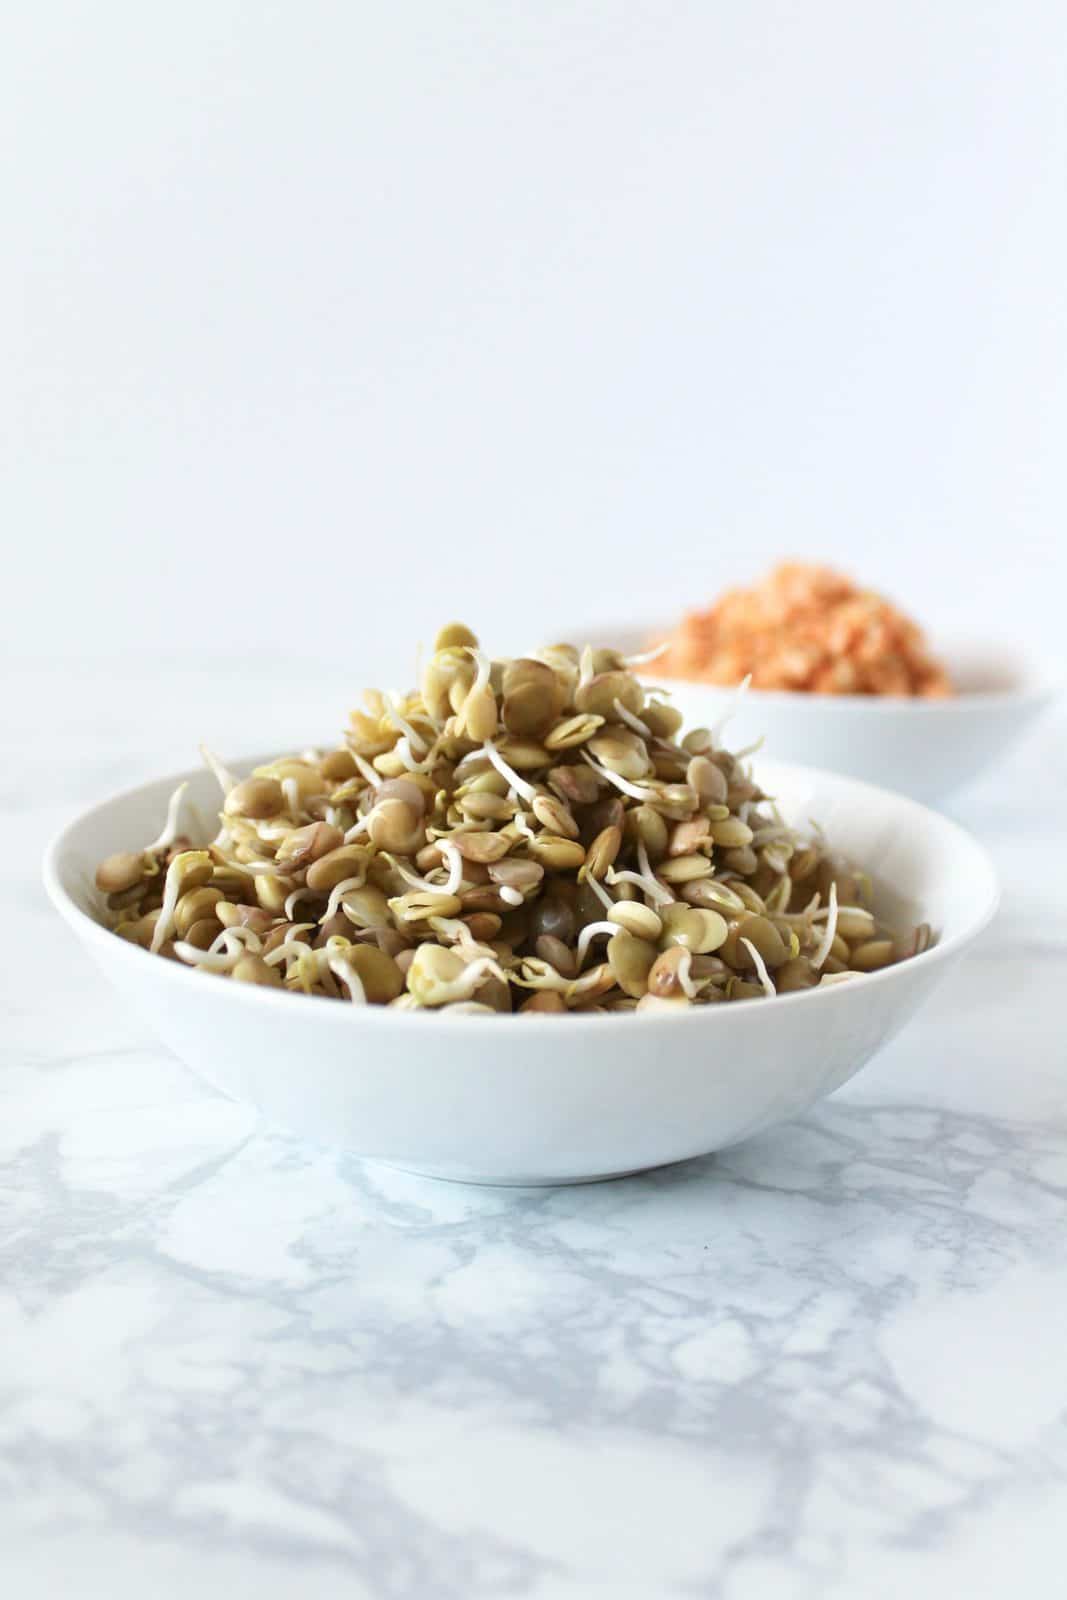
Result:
{"points": [[821, 669]]}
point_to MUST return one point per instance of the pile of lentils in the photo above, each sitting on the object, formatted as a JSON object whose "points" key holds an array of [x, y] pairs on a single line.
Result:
{"points": [[532, 834]]}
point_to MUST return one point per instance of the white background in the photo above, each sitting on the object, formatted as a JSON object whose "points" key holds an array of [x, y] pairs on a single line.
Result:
{"points": [[319, 323], [324, 322]]}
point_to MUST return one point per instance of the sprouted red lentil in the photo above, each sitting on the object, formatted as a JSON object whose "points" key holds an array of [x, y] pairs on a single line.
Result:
{"points": [[805, 629], [533, 834]]}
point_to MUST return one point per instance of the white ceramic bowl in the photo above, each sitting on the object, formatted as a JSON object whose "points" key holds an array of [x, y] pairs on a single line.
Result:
{"points": [[923, 748], [529, 1099]]}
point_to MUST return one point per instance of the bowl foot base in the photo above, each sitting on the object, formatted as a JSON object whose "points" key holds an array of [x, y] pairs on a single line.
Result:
{"points": [[492, 1181]]}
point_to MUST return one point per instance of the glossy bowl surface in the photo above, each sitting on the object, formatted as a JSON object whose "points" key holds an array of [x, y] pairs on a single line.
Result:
{"points": [[530, 1099]]}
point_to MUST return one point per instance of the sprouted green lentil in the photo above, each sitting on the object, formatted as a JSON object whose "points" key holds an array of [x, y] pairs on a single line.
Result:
{"points": [[531, 834]]}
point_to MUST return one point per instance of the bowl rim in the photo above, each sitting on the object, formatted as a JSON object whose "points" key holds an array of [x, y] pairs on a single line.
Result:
{"points": [[102, 939], [965, 701]]}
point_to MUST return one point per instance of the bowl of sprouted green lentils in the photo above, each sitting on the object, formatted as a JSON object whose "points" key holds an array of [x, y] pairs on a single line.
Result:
{"points": [[686, 948]]}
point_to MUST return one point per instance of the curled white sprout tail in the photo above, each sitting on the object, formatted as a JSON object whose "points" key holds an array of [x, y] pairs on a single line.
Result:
{"points": [[475, 973], [460, 938], [591, 931], [598, 889], [172, 888], [301, 892], [365, 770], [653, 890], [585, 667], [292, 945], [684, 974], [483, 668], [723, 896], [537, 974], [645, 864], [291, 791], [247, 938], [646, 656], [631, 721], [467, 981], [761, 969], [338, 892], [413, 736], [829, 933], [225, 777], [643, 879], [427, 885], [717, 728], [412, 763], [413, 879], [636, 791], [170, 826], [810, 914], [256, 869], [522, 825], [268, 831], [510, 896], [348, 977], [211, 961], [469, 947], [454, 862], [519, 784]]}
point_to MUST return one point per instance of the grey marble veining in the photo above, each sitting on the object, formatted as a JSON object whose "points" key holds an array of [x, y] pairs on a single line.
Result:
{"points": [[831, 1362]]}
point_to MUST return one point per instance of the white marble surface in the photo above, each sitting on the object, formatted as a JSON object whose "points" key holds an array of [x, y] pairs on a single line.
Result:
{"points": [[832, 1362]]}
